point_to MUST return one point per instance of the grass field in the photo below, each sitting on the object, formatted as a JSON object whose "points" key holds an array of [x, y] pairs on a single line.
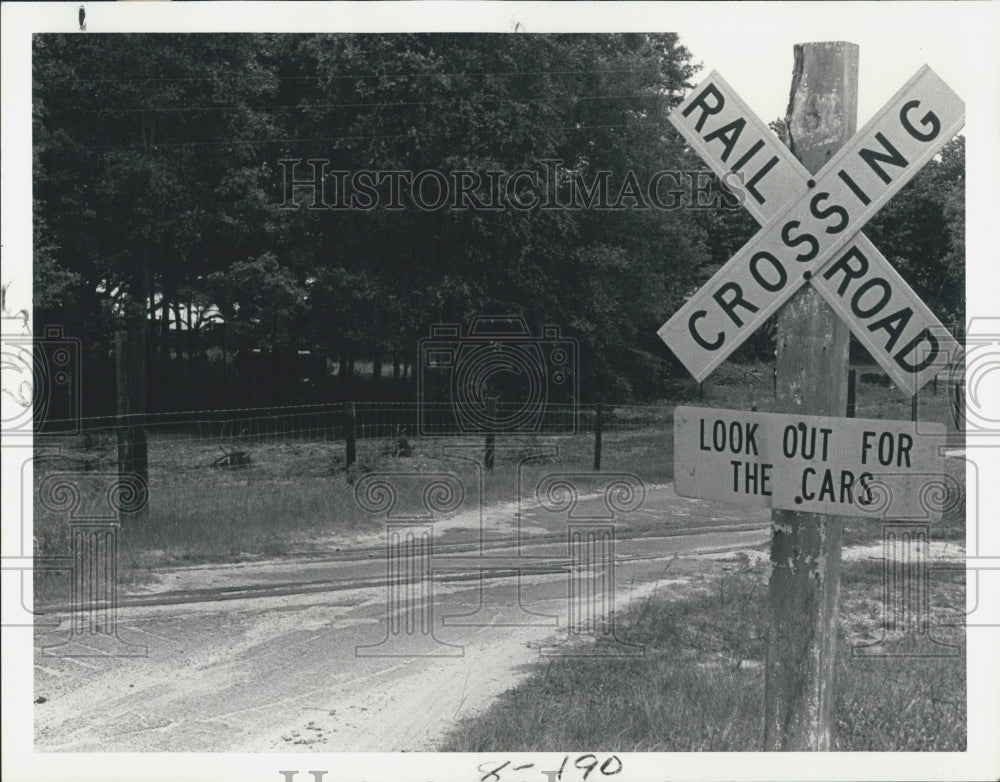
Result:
{"points": [[700, 686], [296, 493]]}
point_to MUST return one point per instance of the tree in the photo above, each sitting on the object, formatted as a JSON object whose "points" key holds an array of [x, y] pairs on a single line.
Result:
{"points": [[159, 191], [921, 231], [139, 182]]}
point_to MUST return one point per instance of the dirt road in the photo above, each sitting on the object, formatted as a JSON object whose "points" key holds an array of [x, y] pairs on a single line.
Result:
{"points": [[297, 653]]}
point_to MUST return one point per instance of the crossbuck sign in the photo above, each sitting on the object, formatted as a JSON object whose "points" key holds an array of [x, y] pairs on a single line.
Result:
{"points": [[811, 229]]}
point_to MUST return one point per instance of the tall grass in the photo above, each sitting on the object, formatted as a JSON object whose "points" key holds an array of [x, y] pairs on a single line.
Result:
{"points": [[296, 493], [700, 686]]}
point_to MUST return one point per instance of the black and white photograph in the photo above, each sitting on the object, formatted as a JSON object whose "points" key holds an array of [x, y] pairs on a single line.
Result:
{"points": [[500, 392]]}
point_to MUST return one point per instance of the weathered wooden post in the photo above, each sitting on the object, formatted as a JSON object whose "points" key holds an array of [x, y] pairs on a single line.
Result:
{"points": [[491, 436], [598, 424], [852, 393], [811, 378], [350, 434]]}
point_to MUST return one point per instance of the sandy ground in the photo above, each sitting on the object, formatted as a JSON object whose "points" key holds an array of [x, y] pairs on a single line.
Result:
{"points": [[285, 673], [299, 654]]}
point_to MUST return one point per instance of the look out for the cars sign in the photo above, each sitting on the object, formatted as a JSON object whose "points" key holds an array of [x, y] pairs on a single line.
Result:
{"points": [[840, 466], [811, 229]]}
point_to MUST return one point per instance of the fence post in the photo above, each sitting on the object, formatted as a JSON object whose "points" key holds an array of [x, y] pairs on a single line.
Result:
{"points": [[130, 398], [597, 437], [852, 379], [350, 433], [491, 437]]}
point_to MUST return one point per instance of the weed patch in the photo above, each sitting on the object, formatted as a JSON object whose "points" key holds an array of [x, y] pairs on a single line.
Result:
{"points": [[700, 686]]}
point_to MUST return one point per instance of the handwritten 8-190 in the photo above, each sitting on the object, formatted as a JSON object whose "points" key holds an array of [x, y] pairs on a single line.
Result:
{"points": [[580, 767]]}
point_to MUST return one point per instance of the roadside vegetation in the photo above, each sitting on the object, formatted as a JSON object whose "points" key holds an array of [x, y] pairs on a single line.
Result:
{"points": [[700, 685], [296, 494]]}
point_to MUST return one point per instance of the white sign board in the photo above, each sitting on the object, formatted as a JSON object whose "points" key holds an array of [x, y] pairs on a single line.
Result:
{"points": [[812, 235], [818, 464], [732, 139], [728, 136]]}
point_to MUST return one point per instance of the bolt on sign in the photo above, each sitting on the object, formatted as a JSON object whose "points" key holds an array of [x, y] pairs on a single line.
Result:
{"points": [[818, 464], [811, 229]]}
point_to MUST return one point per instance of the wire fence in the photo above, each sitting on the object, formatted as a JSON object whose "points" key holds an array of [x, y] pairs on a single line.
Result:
{"points": [[182, 443], [229, 481], [371, 420]]}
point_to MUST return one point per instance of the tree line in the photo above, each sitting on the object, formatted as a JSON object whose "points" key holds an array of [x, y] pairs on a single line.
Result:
{"points": [[161, 205]]}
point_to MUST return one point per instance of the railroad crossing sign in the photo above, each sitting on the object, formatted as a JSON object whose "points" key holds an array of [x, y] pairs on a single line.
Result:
{"points": [[816, 464], [811, 229]]}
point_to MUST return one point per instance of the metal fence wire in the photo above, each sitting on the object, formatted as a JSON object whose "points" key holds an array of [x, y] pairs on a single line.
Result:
{"points": [[180, 443]]}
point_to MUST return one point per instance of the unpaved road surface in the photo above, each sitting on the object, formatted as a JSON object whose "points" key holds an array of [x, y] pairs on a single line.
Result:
{"points": [[311, 652]]}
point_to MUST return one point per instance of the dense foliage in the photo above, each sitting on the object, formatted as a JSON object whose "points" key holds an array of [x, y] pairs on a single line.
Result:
{"points": [[159, 189]]}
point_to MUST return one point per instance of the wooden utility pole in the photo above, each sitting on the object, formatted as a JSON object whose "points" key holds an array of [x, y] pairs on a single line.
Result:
{"points": [[811, 379]]}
